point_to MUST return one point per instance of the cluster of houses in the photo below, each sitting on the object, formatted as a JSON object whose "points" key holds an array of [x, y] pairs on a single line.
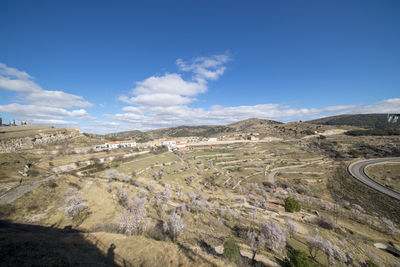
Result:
{"points": [[183, 144], [170, 143], [117, 144]]}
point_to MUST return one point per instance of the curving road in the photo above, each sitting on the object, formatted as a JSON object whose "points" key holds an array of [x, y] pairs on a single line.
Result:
{"points": [[357, 170]]}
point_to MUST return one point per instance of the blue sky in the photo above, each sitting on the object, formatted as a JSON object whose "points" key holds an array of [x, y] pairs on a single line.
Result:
{"points": [[107, 66]]}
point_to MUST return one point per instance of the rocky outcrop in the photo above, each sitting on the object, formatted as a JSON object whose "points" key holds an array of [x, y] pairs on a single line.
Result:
{"points": [[18, 144]]}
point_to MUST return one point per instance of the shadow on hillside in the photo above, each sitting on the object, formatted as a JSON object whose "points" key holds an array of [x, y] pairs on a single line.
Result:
{"points": [[35, 245]]}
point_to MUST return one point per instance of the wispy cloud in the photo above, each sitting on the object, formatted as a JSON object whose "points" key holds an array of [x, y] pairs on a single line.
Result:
{"points": [[37, 105]]}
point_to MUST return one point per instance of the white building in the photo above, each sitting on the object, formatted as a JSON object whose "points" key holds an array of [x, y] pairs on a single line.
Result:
{"points": [[212, 139], [169, 143], [117, 144]]}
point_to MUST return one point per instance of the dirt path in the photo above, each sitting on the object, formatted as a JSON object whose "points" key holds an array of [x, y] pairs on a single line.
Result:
{"points": [[271, 176], [21, 190], [248, 176]]}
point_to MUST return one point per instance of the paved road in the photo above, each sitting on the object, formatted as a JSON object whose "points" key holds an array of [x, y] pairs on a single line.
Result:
{"points": [[26, 187], [357, 170], [21, 190]]}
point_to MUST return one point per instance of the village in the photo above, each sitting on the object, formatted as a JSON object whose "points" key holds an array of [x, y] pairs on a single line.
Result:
{"points": [[182, 143]]}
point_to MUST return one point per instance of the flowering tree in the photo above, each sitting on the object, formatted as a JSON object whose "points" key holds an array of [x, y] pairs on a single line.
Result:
{"points": [[166, 195], [134, 220], [291, 226], [157, 175], [150, 187], [332, 252], [112, 174], [313, 244], [255, 241], [192, 196], [122, 195], [126, 178], [274, 234], [390, 227], [75, 206], [174, 226]]}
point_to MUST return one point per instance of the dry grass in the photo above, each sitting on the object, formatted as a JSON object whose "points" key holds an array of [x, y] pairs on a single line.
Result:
{"points": [[387, 174]]}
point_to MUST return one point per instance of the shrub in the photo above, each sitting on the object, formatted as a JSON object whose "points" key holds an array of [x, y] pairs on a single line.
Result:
{"points": [[231, 250], [369, 263], [51, 184], [297, 258], [325, 221], [292, 205]]}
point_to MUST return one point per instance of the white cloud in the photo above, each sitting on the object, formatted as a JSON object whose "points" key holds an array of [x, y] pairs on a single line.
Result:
{"points": [[205, 68], [146, 118], [163, 101], [56, 99], [171, 89], [28, 91], [158, 99], [35, 111], [12, 72], [39, 105], [170, 83]]}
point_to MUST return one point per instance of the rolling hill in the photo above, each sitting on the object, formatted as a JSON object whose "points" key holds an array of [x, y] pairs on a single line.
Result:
{"points": [[369, 121]]}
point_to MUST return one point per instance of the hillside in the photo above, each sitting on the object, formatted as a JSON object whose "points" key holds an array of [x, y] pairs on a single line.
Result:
{"points": [[370, 121], [265, 128]]}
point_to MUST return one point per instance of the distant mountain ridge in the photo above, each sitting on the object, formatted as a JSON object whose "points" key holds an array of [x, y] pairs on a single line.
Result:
{"points": [[369, 121], [262, 127]]}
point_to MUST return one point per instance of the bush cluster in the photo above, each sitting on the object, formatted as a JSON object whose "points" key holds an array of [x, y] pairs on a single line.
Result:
{"points": [[231, 249], [292, 205]]}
